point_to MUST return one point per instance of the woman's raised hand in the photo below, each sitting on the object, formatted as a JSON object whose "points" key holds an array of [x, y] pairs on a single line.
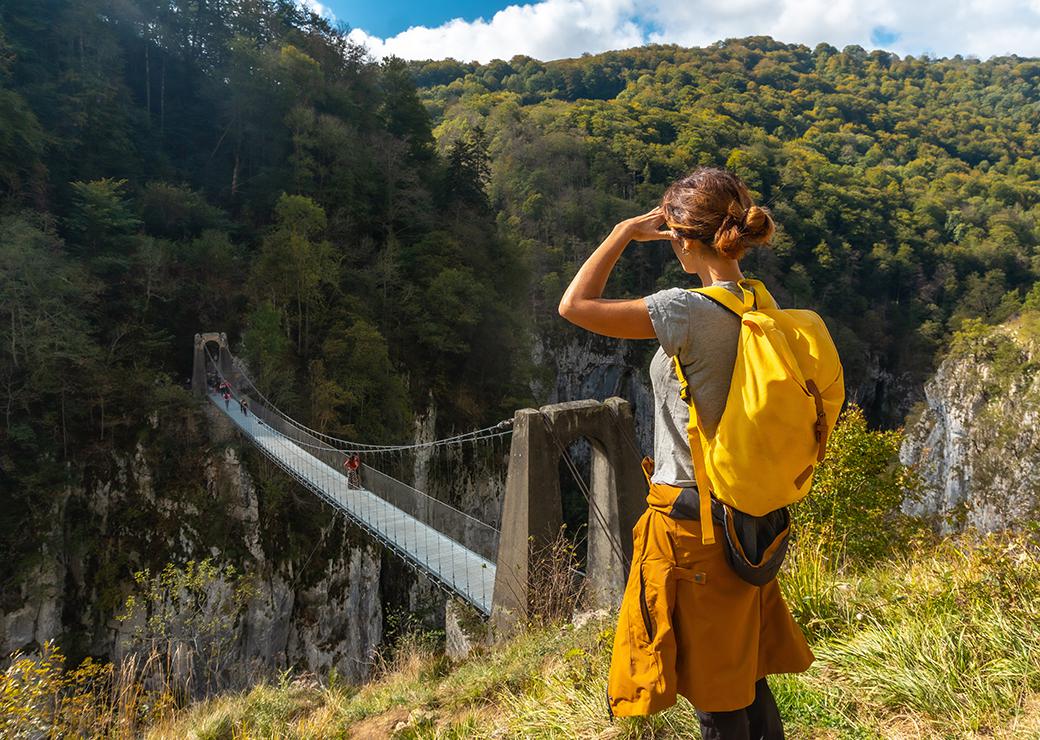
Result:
{"points": [[647, 227], [583, 303]]}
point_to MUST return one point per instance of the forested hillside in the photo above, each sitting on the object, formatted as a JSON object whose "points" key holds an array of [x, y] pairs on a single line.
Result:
{"points": [[906, 189], [380, 238], [174, 167]]}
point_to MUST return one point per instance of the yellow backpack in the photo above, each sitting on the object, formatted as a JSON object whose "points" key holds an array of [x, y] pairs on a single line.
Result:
{"points": [[784, 398]]}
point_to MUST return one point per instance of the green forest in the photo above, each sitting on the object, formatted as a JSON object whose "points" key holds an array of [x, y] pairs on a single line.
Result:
{"points": [[376, 234], [905, 189], [168, 168]]}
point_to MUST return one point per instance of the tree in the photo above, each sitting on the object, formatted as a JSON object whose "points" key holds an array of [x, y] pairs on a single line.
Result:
{"points": [[102, 221], [296, 266], [402, 112], [467, 173]]}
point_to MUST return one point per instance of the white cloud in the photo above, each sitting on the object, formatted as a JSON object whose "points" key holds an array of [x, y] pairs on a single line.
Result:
{"points": [[319, 8], [939, 27], [552, 29], [546, 30]]}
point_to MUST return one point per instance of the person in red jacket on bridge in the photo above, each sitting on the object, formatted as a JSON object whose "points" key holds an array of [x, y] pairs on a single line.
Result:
{"points": [[352, 463]]}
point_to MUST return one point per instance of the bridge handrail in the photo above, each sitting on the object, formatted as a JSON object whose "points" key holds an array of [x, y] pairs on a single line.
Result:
{"points": [[419, 538], [495, 430], [301, 437], [260, 410]]}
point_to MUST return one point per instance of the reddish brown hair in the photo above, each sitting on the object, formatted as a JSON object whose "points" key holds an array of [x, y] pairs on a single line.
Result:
{"points": [[714, 206]]}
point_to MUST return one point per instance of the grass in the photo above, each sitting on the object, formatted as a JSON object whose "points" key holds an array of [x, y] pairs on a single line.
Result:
{"points": [[941, 642]]}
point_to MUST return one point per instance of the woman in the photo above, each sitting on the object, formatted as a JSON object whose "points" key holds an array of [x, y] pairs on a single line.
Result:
{"points": [[688, 624]]}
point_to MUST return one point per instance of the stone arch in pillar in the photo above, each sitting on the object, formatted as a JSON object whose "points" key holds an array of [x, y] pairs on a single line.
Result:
{"points": [[198, 371], [532, 510]]}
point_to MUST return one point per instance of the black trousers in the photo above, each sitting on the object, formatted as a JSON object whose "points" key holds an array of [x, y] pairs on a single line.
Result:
{"points": [[758, 721]]}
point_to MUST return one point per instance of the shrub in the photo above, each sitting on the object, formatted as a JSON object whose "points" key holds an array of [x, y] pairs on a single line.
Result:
{"points": [[556, 586], [39, 697], [188, 615], [857, 492]]}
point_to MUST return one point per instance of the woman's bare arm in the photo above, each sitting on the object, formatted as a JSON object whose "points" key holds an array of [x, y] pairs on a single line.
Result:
{"points": [[582, 303]]}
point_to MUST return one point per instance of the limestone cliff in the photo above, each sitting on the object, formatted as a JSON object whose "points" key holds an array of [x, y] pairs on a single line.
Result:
{"points": [[588, 366], [976, 441], [188, 490]]}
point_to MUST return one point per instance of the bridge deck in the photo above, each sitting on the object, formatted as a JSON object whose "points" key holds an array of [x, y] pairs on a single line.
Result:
{"points": [[455, 566]]}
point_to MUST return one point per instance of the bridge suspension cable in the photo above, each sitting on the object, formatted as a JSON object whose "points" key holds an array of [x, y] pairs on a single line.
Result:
{"points": [[455, 549], [499, 429], [389, 482]]}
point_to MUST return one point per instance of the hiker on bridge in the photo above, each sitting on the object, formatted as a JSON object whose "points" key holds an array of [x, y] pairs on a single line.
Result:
{"points": [[690, 586], [352, 464], [243, 405], [227, 399]]}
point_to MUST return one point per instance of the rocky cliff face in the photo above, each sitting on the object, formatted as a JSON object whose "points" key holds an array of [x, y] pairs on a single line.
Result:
{"points": [[315, 600], [885, 397], [588, 366], [977, 439]]}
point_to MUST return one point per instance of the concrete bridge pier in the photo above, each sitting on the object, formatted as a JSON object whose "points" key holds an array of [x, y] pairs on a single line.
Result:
{"points": [[532, 511]]}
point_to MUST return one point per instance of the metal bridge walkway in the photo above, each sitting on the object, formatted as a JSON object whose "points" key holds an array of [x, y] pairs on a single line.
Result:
{"points": [[453, 565]]}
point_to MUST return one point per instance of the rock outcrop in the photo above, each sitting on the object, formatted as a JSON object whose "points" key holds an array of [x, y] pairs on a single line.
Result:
{"points": [[976, 442], [314, 602]]}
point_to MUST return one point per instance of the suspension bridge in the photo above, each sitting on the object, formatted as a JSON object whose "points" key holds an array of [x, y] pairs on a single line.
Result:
{"points": [[486, 566]]}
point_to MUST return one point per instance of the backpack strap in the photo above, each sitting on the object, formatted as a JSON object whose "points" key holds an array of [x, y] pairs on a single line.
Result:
{"points": [[726, 299], [700, 473], [763, 298], [755, 296], [821, 419]]}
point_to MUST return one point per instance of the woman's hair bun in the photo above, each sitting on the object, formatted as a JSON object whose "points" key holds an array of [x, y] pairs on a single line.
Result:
{"points": [[742, 228], [758, 225]]}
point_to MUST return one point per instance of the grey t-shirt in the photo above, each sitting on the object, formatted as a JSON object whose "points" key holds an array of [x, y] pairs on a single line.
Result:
{"points": [[704, 335]]}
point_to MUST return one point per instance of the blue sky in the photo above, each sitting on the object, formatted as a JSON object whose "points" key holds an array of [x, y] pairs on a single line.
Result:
{"points": [[476, 30], [390, 17]]}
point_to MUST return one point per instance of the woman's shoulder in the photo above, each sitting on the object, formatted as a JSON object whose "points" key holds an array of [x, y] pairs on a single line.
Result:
{"points": [[668, 295], [675, 314], [683, 298], [670, 303]]}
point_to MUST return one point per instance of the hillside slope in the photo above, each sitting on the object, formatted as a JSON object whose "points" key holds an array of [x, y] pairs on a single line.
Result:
{"points": [[894, 660]]}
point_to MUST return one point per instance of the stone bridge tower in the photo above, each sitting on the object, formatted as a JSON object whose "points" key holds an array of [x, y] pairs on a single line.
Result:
{"points": [[532, 511], [198, 371]]}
